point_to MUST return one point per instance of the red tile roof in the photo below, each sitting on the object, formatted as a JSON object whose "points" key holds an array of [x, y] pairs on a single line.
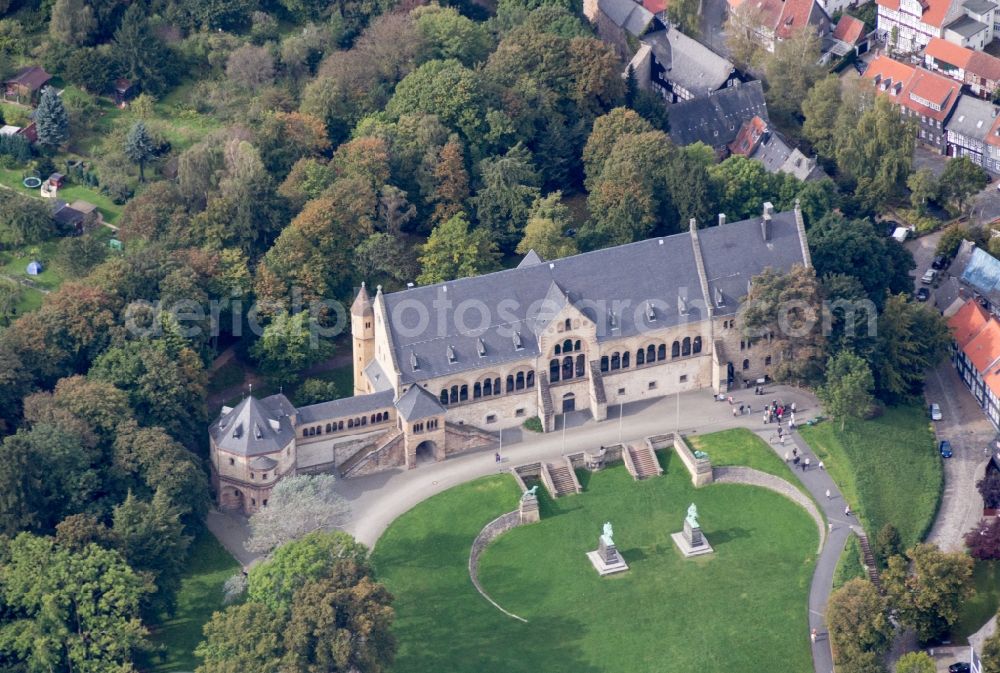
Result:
{"points": [[984, 348], [655, 6], [849, 29], [934, 12], [784, 17], [949, 52], [749, 137], [905, 82], [967, 322], [942, 91], [984, 65], [993, 137]]}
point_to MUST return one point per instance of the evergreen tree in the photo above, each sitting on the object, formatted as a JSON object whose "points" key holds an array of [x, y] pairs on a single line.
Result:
{"points": [[142, 56], [51, 119], [139, 147]]}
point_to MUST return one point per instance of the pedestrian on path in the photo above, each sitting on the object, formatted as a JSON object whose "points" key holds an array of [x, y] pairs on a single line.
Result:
{"points": [[847, 510], [828, 496], [498, 457], [749, 410], [788, 456], [805, 464], [795, 451], [808, 462], [821, 465], [734, 412], [829, 525], [812, 635]]}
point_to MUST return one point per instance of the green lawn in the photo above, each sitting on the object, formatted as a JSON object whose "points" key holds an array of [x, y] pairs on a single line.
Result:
{"points": [[342, 377], [742, 447], [739, 610], [201, 594], [887, 468], [13, 177], [14, 263], [978, 609], [850, 564]]}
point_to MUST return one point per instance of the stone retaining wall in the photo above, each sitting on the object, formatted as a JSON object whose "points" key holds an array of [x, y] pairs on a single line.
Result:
{"points": [[700, 468], [752, 477], [490, 532]]}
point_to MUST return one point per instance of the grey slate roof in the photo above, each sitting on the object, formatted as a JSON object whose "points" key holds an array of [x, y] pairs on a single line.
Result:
{"points": [[625, 278], [417, 403], [716, 119], [735, 253], [979, 6], [255, 427], [966, 26], [531, 259], [776, 155], [377, 377], [628, 15], [263, 463], [972, 117], [689, 63], [347, 406]]}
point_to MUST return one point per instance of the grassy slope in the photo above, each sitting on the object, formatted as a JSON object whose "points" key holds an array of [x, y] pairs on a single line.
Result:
{"points": [[850, 565], [739, 610], [200, 595], [978, 609], [13, 178], [742, 447], [887, 468]]}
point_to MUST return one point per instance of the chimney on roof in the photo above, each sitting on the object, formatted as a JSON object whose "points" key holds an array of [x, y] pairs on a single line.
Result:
{"points": [[765, 223], [693, 224], [722, 219]]}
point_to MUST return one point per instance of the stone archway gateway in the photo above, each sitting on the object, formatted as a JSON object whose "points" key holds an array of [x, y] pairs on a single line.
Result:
{"points": [[427, 451], [231, 498]]}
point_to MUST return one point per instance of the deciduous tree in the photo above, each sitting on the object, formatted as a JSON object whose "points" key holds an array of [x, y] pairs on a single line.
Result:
{"points": [[791, 71], [785, 308], [454, 250], [820, 108], [545, 232], [983, 541], [503, 202], [228, 632], [72, 22], [911, 339], [960, 180], [989, 488], [76, 610], [916, 662], [848, 389], [927, 588], [923, 188], [289, 343], [859, 623], [451, 182], [605, 133]]}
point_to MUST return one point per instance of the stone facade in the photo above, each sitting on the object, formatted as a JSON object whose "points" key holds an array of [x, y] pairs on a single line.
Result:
{"points": [[423, 398]]}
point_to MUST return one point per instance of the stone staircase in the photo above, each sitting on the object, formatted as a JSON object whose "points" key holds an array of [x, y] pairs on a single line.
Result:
{"points": [[354, 464], [870, 565], [547, 414], [644, 462], [597, 382], [563, 481]]}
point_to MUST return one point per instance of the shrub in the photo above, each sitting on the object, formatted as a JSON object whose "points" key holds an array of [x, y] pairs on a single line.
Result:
{"points": [[534, 424]]}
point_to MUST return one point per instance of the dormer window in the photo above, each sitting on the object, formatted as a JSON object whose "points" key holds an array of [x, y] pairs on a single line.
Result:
{"points": [[481, 348], [413, 361], [650, 312], [682, 306], [517, 341], [612, 319], [719, 299], [238, 431], [257, 431], [451, 355]]}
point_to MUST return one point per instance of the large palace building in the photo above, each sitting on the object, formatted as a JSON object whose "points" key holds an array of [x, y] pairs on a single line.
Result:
{"points": [[439, 369]]}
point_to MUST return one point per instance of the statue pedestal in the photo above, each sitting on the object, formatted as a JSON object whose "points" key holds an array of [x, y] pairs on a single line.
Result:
{"points": [[606, 559], [529, 509], [691, 541]]}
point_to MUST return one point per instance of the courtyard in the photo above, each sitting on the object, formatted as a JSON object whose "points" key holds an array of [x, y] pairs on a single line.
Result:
{"points": [[742, 608]]}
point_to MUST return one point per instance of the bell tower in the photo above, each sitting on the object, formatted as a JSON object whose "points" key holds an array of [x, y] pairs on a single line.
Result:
{"points": [[362, 338]]}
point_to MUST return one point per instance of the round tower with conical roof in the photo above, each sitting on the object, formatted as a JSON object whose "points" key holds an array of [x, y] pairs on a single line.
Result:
{"points": [[363, 338]]}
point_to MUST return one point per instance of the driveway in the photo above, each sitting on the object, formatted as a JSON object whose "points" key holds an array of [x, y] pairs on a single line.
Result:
{"points": [[931, 159], [969, 431], [986, 205]]}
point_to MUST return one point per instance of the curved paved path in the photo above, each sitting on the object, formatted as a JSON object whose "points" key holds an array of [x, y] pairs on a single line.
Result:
{"points": [[377, 500], [839, 528]]}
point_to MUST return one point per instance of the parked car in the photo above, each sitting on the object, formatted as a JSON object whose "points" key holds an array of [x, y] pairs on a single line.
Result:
{"points": [[860, 66], [890, 227], [929, 277], [945, 448], [940, 262], [923, 294], [935, 411], [960, 667]]}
